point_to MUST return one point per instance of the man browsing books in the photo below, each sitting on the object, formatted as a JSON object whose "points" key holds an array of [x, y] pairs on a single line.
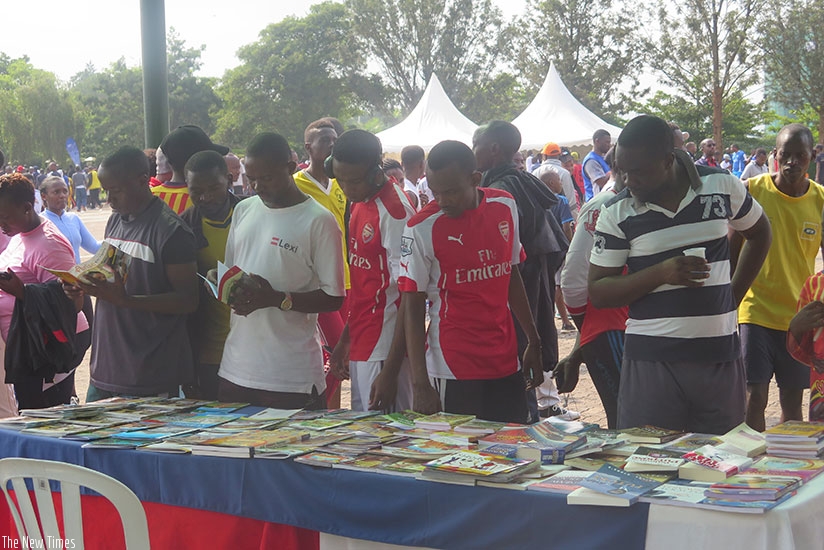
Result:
{"points": [[682, 365], [373, 337], [139, 341], [459, 251], [290, 246], [208, 181]]}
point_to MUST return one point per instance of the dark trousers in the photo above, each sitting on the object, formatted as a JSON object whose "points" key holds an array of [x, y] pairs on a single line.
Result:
{"points": [[498, 400], [229, 392], [30, 394], [603, 357]]}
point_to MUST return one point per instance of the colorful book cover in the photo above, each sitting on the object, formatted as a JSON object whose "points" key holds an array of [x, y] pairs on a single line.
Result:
{"points": [[442, 421], [594, 462], [647, 459], [479, 427], [218, 407], [692, 441], [319, 458], [615, 482], [546, 435], [107, 263], [805, 468], [475, 463], [154, 433], [407, 466], [419, 448], [716, 459], [256, 438], [795, 429], [817, 386], [561, 483], [753, 487], [403, 419], [200, 421]]}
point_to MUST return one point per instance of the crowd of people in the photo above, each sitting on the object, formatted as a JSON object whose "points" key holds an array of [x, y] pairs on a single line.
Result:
{"points": [[432, 281]]}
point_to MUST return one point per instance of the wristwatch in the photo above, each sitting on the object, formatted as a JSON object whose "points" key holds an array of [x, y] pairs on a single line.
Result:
{"points": [[286, 304]]}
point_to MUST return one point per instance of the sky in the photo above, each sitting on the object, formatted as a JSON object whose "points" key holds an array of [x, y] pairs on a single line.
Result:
{"points": [[102, 31]]}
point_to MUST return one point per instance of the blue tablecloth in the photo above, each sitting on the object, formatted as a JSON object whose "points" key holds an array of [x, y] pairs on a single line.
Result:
{"points": [[361, 505]]}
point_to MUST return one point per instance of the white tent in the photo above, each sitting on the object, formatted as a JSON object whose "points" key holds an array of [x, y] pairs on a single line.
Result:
{"points": [[433, 120], [555, 115]]}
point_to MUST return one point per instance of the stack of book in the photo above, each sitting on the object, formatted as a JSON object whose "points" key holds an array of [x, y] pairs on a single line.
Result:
{"points": [[542, 442], [796, 439], [803, 468], [611, 486], [749, 487], [466, 467], [709, 463], [693, 494]]}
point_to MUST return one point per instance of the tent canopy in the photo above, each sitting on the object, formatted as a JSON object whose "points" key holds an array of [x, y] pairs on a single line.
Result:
{"points": [[555, 115], [433, 120]]}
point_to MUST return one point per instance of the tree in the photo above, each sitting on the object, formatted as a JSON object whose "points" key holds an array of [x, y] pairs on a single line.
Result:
{"points": [[703, 49], [412, 39], [741, 116], [112, 104], [793, 45], [299, 70], [192, 99], [36, 113], [594, 48]]}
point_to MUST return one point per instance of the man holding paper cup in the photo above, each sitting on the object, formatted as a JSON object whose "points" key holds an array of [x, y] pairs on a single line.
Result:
{"points": [[682, 366]]}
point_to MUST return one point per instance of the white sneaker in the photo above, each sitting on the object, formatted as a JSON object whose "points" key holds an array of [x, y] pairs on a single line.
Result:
{"points": [[559, 412]]}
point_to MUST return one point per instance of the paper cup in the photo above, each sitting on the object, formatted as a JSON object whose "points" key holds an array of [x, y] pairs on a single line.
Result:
{"points": [[699, 252]]}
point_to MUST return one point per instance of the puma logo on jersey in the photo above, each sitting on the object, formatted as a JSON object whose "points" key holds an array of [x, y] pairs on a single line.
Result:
{"points": [[458, 239], [405, 266]]}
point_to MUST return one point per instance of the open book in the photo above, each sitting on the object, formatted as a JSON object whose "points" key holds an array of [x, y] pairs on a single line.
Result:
{"points": [[227, 279], [101, 267]]}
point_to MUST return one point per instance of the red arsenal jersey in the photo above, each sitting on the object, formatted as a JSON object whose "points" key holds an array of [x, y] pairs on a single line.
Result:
{"points": [[464, 264], [375, 230]]}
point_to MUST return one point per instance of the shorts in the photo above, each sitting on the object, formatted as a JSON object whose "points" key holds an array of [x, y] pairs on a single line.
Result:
{"points": [[363, 373], [705, 398], [498, 399], [765, 353]]}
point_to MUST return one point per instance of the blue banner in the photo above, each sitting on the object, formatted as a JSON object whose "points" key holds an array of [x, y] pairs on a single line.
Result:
{"points": [[74, 152]]}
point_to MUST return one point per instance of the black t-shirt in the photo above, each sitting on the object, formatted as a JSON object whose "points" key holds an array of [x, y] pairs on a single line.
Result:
{"points": [[137, 352]]}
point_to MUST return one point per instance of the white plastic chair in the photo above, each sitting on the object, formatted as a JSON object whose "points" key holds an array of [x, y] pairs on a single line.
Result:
{"points": [[71, 477]]}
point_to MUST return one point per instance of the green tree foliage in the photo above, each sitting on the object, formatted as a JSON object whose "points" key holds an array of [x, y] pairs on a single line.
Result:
{"points": [[411, 39], [36, 113], [693, 116], [299, 70], [705, 50], [594, 47], [192, 99], [112, 99], [794, 48], [112, 104]]}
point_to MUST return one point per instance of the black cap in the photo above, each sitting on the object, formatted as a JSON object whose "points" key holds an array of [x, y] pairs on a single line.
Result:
{"points": [[185, 141]]}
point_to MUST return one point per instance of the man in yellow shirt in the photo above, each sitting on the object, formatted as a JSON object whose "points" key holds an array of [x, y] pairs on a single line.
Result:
{"points": [[795, 206], [94, 189], [319, 138]]}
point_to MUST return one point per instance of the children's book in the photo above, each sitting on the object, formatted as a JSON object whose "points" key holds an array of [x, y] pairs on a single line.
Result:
{"points": [[805, 468], [102, 267], [753, 487]]}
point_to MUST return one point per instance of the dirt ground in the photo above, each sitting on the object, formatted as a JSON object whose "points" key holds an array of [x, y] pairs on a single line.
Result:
{"points": [[584, 399]]}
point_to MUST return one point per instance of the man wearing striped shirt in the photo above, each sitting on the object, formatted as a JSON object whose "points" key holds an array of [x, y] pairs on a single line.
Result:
{"points": [[682, 366]]}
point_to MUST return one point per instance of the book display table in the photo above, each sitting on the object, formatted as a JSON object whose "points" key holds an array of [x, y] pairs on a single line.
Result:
{"points": [[192, 499]]}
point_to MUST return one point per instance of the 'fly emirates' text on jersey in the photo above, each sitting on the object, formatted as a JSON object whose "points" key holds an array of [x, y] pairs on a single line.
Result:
{"points": [[375, 230], [464, 265]]}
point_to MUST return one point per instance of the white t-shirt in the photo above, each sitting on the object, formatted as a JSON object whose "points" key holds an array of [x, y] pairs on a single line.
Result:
{"points": [[297, 249]]}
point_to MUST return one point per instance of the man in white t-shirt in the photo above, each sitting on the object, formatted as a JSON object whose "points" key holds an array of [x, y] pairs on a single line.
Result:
{"points": [[413, 160], [552, 162], [290, 247]]}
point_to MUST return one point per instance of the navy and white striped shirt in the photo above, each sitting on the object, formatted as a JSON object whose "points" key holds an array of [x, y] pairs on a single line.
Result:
{"points": [[677, 323]]}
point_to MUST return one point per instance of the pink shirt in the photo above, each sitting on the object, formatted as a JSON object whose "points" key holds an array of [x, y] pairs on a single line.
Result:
{"points": [[25, 254]]}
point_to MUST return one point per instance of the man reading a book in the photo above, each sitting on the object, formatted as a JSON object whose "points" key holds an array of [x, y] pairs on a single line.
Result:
{"points": [[209, 215], [289, 245], [140, 345], [682, 366], [459, 252]]}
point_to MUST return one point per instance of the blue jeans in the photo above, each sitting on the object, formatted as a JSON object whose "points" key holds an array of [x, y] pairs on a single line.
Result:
{"points": [[80, 197]]}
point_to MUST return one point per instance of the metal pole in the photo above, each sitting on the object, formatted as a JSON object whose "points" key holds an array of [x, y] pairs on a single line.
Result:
{"points": [[155, 83]]}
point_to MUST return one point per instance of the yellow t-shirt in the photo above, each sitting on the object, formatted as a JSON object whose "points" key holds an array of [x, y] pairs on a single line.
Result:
{"points": [[95, 181], [213, 315], [796, 239], [333, 199]]}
